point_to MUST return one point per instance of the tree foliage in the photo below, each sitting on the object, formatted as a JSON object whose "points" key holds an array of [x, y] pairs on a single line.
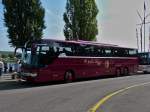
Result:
{"points": [[24, 20], [80, 20], [4, 56], [10, 55]]}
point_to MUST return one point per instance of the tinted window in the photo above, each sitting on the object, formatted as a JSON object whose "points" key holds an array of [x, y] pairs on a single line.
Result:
{"points": [[108, 52], [144, 58], [132, 52]]}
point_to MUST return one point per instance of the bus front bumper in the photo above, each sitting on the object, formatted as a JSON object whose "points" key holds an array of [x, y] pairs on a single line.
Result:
{"points": [[27, 76]]}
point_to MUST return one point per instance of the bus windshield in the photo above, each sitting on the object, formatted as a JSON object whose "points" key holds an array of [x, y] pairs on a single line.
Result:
{"points": [[41, 57], [28, 59]]}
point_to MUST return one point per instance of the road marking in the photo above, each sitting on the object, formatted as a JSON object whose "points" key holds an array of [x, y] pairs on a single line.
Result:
{"points": [[104, 99]]}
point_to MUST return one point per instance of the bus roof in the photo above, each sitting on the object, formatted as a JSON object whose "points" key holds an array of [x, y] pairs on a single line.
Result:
{"points": [[43, 41], [93, 43]]}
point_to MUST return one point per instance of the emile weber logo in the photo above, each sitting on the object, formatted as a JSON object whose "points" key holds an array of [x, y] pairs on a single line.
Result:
{"points": [[97, 62]]}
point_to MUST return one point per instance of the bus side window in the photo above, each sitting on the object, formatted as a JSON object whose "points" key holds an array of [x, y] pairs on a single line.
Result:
{"points": [[73, 51], [132, 52], [57, 51], [63, 53], [115, 52], [126, 52], [103, 53], [80, 51], [99, 52], [123, 52], [88, 51], [95, 51], [108, 52], [66, 51], [120, 52]]}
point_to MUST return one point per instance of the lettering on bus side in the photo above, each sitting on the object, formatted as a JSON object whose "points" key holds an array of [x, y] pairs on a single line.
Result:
{"points": [[93, 61], [107, 64]]}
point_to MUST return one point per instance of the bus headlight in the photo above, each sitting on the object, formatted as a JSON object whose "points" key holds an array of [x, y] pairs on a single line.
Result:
{"points": [[33, 74]]}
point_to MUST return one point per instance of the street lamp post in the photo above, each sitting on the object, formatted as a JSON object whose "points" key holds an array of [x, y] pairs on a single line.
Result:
{"points": [[137, 39], [144, 24], [141, 25], [141, 34]]}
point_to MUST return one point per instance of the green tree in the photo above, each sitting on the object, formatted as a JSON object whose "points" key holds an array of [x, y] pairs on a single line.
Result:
{"points": [[80, 20], [4, 56], [24, 20], [11, 56]]}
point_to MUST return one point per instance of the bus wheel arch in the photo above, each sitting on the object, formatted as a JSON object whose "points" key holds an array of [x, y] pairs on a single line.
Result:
{"points": [[69, 76]]}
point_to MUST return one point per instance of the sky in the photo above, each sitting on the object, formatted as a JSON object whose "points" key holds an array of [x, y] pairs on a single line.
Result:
{"points": [[117, 21]]}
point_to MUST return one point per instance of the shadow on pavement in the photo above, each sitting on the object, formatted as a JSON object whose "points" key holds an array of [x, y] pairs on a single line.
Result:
{"points": [[13, 84], [9, 84]]}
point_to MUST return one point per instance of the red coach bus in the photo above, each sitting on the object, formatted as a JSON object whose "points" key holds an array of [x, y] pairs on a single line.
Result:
{"points": [[51, 60]]}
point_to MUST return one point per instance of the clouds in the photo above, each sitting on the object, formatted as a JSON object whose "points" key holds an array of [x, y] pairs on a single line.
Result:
{"points": [[117, 20], [54, 25], [54, 18], [49, 12], [119, 24]]}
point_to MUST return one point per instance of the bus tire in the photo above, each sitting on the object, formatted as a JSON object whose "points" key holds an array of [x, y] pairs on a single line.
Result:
{"points": [[126, 71], [118, 72], [69, 76]]}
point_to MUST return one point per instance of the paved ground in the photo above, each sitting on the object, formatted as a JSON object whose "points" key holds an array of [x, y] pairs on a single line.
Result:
{"points": [[134, 100], [75, 97], [5, 77]]}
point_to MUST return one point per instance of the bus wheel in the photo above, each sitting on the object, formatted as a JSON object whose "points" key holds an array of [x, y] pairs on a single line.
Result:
{"points": [[69, 76], [118, 72], [126, 71]]}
